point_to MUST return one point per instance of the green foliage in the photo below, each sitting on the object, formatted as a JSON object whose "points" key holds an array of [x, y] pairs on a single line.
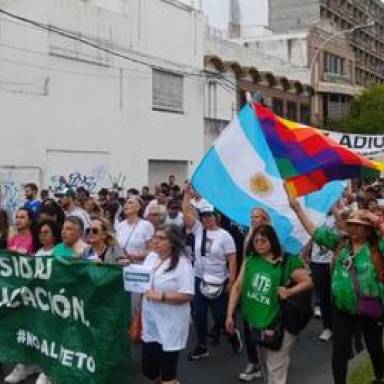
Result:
{"points": [[367, 113]]}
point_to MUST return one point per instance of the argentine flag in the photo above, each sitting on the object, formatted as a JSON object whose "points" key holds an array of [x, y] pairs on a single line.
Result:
{"points": [[239, 173]]}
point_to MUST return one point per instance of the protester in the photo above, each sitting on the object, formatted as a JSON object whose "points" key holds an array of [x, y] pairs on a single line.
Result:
{"points": [[215, 273], [252, 370], [33, 204], [49, 237], [358, 275], [44, 195], [174, 216], [67, 202], [4, 228], [25, 238], [166, 306], [156, 215], [92, 207], [146, 197], [52, 211], [82, 195], [103, 246], [134, 233], [23, 241], [261, 284], [72, 244]]}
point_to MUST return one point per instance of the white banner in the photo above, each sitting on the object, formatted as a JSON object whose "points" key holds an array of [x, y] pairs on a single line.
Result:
{"points": [[368, 145]]}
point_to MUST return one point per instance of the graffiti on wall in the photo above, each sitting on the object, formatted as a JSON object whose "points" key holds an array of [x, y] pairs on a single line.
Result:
{"points": [[11, 187], [90, 181]]}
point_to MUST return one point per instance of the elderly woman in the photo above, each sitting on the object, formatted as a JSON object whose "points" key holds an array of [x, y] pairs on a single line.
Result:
{"points": [[103, 246], [356, 285], [166, 307]]}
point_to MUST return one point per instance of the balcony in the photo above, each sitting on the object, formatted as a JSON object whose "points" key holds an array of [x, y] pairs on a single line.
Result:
{"points": [[336, 78]]}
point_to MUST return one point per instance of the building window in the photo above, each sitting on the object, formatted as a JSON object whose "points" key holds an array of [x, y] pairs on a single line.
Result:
{"points": [[167, 91], [305, 114], [278, 106], [333, 64], [292, 110]]}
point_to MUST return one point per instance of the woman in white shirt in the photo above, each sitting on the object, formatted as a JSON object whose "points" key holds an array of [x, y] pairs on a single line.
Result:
{"points": [[166, 306], [133, 234]]}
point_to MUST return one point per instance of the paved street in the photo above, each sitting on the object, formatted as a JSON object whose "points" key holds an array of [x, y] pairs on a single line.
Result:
{"points": [[310, 363]]}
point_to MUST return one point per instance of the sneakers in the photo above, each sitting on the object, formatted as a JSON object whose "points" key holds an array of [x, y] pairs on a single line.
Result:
{"points": [[20, 373], [43, 379], [317, 312], [200, 352], [250, 373], [325, 335], [236, 342]]}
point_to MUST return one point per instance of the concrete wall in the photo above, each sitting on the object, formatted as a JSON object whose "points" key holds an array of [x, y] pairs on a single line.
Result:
{"points": [[88, 109], [284, 15]]}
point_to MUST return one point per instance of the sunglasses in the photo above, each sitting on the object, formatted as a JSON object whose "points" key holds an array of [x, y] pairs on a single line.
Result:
{"points": [[93, 231]]}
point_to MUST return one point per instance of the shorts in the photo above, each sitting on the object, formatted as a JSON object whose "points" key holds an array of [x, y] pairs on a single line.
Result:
{"points": [[157, 363]]}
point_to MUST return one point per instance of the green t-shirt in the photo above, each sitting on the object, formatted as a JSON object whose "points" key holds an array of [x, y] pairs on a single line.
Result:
{"points": [[260, 301], [343, 291], [61, 250]]}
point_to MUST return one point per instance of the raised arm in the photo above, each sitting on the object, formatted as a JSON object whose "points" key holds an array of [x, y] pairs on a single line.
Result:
{"points": [[190, 214], [304, 219]]}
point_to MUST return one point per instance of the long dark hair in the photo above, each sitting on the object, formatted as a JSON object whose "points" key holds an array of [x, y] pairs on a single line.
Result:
{"points": [[267, 231], [177, 240], [4, 223], [32, 227], [54, 227]]}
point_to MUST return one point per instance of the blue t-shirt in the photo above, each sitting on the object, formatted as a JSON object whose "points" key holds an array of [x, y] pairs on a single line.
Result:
{"points": [[35, 206]]}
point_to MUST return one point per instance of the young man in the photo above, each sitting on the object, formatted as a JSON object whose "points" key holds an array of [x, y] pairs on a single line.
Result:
{"points": [[67, 202], [31, 192]]}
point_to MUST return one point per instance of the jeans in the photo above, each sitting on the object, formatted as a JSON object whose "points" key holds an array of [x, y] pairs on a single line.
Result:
{"points": [[200, 307], [321, 275], [249, 346], [344, 326]]}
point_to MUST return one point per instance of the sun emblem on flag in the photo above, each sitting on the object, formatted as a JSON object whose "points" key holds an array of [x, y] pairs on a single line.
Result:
{"points": [[260, 184]]}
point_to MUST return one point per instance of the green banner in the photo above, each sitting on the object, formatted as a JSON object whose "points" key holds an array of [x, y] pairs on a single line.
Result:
{"points": [[69, 317]]}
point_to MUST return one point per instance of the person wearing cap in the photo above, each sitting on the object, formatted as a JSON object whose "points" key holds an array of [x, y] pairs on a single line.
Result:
{"points": [[215, 273], [356, 285], [67, 198]]}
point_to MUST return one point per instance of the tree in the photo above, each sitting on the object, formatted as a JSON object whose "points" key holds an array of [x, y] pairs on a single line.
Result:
{"points": [[367, 113]]}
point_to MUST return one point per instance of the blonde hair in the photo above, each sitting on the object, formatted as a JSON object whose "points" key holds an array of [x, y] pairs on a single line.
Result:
{"points": [[107, 227]]}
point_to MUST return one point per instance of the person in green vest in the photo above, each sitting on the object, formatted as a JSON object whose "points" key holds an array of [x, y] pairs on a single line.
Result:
{"points": [[261, 285], [71, 234], [356, 285]]}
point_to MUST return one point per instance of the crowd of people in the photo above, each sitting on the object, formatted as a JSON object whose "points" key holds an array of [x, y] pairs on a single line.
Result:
{"points": [[209, 270]]}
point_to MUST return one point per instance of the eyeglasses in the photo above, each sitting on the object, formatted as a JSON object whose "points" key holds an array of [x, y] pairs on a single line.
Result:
{"points": [[45, 233]]}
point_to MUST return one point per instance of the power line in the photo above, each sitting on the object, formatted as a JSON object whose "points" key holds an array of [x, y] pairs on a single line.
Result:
{"points": [[58, 31]]}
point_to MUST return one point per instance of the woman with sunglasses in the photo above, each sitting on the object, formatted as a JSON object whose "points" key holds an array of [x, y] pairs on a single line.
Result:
{"points": [[357, 278], [103, 246], [166, 306], [261, 284]]}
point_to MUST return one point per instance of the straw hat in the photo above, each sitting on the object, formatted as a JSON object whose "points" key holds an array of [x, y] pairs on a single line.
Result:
{"points": [[357, 217]]}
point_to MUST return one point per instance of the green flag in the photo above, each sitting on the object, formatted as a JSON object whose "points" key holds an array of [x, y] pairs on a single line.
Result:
{"points": [[70, 317]]}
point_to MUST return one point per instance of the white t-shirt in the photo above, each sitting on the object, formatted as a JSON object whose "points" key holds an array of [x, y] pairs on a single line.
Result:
{"points": [[178, 220], [219, 245], [44, 252], [133, 237], [168, 324]]}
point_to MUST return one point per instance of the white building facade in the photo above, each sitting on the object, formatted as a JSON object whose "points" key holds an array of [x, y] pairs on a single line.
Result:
{"points": [[103, 92]]}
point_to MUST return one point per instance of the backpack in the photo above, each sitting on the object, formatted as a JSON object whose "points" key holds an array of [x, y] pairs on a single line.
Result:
{"points": [[296, 311]]}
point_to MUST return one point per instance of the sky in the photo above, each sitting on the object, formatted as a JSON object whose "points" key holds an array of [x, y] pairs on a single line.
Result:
{"points": [[253, 12]]}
